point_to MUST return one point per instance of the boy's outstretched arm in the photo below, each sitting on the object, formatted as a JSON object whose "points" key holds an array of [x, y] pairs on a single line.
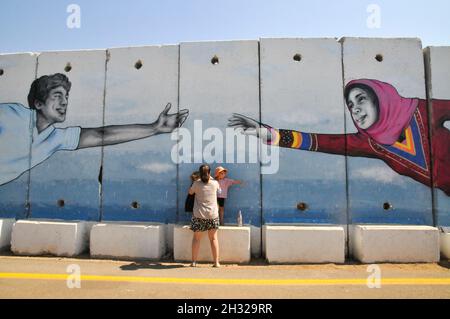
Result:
{"points": [[116, 134]]}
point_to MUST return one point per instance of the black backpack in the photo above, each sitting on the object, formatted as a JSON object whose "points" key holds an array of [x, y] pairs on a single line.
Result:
{"points": [[189, 203]]}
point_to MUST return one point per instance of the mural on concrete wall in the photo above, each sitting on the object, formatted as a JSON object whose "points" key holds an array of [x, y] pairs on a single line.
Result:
{"points": [[48, 101], [293, 71], [16, 68], [217, 79], [390, 127], [391, 131], [438, 79], [139, 179]]}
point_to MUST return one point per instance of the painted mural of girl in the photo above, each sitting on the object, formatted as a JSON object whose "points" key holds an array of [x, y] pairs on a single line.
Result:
{"points": [[31, 129], [390, 127]]}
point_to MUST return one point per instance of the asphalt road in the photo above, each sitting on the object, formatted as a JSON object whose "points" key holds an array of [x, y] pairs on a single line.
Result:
{"points": [[50, 277]]}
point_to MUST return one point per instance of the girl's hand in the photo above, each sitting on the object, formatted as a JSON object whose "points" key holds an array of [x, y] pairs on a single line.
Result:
{"points": [[166, 122], [249, 126]]}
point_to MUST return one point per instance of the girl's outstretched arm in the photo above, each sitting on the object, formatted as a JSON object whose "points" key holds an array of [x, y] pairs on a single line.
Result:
{"points": [[116, 134], [342, 144]]}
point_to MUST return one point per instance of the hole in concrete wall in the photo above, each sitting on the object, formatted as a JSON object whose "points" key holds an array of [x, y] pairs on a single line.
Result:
{"points": [[297, 57], [135, 205], [215, 60], [100, 175], [379, 57], [68, 67], [60, 203], [2, 72], [387, 206], [302, 206], [138, 65]]}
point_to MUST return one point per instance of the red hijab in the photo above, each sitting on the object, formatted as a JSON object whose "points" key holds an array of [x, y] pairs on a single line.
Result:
{"points": [[395, 112]]}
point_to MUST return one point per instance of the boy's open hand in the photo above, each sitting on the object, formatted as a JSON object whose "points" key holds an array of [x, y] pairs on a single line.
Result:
{"points": [[166, 122]]}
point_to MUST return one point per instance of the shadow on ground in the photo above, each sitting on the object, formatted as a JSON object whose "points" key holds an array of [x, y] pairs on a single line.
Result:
{"points": [[149, 265], [444, 263]]}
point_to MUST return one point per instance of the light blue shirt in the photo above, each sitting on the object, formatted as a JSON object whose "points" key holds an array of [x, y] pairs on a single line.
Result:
{"points": [[16, 141]]}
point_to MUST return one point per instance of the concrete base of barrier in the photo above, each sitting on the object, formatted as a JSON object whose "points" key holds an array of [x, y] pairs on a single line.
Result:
{"points": [[445, 242], [128, 241], [234, 244], [6, 226], [304, 244], [391, 243], [255, 241], [43, 237]]}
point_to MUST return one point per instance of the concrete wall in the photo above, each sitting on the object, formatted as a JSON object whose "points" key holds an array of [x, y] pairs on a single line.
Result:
{"points": [[294, 84], [373, 243], [230, 85], [290, 100], [305, 244], [445, 242], [234, 245], [372, 183], [140, 82], [19, 70], [437, 60], [49, 237], [6, 226], [128, 241], [72, 176]]}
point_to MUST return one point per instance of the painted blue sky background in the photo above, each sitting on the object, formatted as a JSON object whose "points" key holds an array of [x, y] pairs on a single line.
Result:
{"points": [[31, 25]]}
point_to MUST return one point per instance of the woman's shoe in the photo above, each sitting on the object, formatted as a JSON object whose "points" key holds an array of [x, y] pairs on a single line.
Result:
{"points": [[194, 264], [216, 265]]}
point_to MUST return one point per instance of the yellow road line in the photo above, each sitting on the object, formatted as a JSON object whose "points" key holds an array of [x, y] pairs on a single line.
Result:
{"points": [[224, 281]]}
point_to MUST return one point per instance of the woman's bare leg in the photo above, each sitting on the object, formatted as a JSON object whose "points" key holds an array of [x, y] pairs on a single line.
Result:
{"points": [[214, 242], [196, 245]]}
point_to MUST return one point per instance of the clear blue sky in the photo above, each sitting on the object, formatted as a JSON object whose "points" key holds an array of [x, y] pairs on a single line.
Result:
{"points": [[40, 25]]}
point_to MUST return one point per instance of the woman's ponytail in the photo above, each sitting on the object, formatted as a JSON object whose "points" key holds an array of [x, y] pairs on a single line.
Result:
{"points": [[205, 172]]}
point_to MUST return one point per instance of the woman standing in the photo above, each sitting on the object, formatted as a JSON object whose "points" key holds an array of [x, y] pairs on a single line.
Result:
{"points": [[206, 213]]}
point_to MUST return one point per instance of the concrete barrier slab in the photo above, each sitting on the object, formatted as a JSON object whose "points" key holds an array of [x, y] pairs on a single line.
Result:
{"points": [[6, 225], [234, 245], [140, 82], [437, 66], [66, 184], [42, 237], [230, 72], [128, 241], [18, 71], [392, 243], [377, 194], [299, 177], [305, 244], [445, 242]]}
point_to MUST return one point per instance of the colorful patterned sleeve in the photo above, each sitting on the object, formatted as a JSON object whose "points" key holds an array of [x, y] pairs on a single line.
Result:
{"points": [[293, 139], [342, 144]]}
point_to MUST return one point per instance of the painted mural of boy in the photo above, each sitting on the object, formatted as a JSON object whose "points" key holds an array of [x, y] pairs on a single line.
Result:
{"points": [[390, 127], [48, 102]]}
